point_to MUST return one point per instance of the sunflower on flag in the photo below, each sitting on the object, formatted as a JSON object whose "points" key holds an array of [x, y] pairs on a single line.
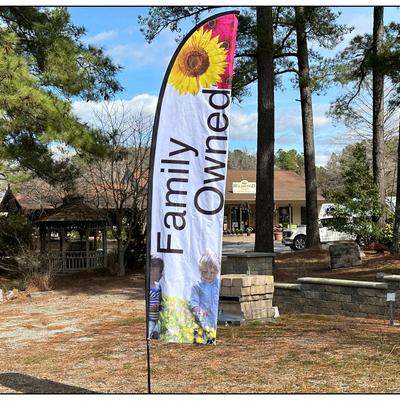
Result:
{"points": [[200, 63]]}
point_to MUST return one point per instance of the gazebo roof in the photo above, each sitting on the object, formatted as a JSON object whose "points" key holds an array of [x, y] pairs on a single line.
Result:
{"points": [[73, 209]]}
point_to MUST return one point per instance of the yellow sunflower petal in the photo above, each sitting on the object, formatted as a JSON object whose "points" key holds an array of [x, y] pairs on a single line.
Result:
{"points": [[200, 63]]}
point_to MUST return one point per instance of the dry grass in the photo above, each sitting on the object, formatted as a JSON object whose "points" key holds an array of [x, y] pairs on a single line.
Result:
{"points": [[87, 335]]}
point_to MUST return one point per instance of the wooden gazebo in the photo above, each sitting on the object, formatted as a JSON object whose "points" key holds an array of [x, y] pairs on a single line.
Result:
{"points": [[73, 237]]}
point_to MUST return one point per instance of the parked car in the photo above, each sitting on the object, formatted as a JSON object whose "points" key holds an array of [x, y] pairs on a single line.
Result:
{"points": [[296, 237]]}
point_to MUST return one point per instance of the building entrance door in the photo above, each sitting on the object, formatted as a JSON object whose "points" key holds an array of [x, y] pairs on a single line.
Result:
{"points": [[239, 218]]}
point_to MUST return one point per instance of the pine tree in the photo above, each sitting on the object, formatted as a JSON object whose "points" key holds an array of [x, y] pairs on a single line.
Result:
{"points": [[357, 203], [43, 64]]}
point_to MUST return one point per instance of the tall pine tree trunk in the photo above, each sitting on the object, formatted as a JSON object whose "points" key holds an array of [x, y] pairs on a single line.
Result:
{"points": [[264, 241], [396, 228], [313, 239], [378, 115]]}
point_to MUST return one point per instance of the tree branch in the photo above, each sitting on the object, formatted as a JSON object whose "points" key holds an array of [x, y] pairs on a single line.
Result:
{"points": [[285, 71]]}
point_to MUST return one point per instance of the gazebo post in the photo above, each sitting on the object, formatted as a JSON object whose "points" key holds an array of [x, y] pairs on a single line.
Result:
{"points": [[48, 240], [105, 246], [63, 248], [87, 248], [42, 239]]}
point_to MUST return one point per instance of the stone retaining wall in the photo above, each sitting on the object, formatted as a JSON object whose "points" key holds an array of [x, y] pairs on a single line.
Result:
{"points": [[341, 297]]}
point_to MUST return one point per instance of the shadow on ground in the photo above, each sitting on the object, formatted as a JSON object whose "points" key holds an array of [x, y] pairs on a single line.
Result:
{"points": [[29, 384]]}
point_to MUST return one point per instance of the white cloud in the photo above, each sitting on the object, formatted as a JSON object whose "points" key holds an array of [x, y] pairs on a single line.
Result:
{"points": [[288, 127], [243, 126], [362, 24], [138, 55], [61, 151], [322, 158], [144, 103], [101, 37]]}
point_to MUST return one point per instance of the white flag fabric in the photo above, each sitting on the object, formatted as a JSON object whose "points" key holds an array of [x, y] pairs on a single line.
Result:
{"points": [[187, 185]]}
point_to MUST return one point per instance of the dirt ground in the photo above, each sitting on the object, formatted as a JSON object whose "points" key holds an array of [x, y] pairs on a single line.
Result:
{"points": [[88, 334]]}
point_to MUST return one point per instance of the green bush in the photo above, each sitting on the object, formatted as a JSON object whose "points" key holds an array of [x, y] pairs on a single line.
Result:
{"points": [[357, 208], [386, 234], [15, 234]]}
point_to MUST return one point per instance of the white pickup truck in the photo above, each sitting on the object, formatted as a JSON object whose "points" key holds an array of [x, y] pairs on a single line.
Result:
{"points": [[296, 237]]}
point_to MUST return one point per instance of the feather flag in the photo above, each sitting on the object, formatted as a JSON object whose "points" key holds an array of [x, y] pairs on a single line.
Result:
{"points": [[187, 185]]}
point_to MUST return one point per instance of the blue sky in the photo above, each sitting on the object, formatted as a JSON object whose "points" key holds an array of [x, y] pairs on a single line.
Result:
{"points": [[116, 30]]}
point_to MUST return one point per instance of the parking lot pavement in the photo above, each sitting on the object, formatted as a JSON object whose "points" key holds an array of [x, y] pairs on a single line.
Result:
{"points": [[232, 247]]}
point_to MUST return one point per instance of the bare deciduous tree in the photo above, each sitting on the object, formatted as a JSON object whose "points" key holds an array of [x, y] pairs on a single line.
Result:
{"points": [[117, 181]]}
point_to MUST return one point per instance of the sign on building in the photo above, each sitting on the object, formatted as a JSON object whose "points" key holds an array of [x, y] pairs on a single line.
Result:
{"points": [[244, 187]]}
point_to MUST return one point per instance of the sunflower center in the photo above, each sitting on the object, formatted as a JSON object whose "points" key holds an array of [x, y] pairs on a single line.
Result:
{"points": [[197, 62]]}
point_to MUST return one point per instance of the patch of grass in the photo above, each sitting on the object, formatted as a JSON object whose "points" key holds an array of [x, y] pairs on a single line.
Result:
{"points": [[104, 355], [34, 359], [10, 284], [45, 357], [129, 321], [307, 362], [254, 323]]}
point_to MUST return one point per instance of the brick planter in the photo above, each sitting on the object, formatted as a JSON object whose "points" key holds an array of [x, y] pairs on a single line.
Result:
{"points": [[248, 263], [245, 298]]}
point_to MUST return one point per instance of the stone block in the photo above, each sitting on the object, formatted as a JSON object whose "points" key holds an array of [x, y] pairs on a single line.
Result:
{"points": [[368, 292], [357, 298], [246, 298], [372, 310], [332, 305], [261, 289], [344, 254], [239, 291], [226, 281], [377, 301], [308, 309], [225, 291], [329, 296], [243, 281], [348, 290], [332, 288], [344, 298], [262, 279], [312, 294], [350, 307], [259, 309]]}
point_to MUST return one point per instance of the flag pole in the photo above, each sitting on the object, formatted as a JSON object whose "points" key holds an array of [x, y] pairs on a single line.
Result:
{"points": [[148, 359]]}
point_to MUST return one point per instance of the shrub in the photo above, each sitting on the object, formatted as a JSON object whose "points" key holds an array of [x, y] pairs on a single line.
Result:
{"points": [[357, 208], [15, 234], [33, 269]]}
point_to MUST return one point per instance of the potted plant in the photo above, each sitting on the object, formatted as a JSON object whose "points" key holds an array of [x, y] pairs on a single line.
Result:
{"points": [[278, 233]]}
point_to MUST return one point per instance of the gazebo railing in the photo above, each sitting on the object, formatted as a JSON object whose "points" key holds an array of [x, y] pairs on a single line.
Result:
{"points": [[74, 261]]}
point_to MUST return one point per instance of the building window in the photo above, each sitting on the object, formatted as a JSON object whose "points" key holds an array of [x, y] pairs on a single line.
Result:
{"points": [[284, 215], [303, 218]]}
